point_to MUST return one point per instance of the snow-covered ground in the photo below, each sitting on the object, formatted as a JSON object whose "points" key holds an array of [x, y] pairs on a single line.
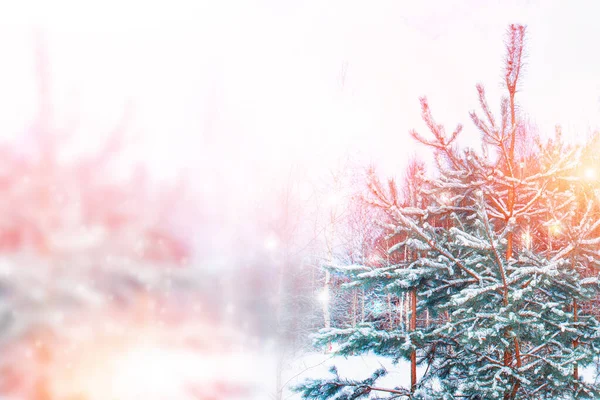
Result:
{"points": [[159, 374], [155, 373], [312, 365]]}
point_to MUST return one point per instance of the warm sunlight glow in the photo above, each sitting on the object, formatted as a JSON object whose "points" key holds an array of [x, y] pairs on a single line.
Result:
{"points": [[555, 228], [590, 173]]}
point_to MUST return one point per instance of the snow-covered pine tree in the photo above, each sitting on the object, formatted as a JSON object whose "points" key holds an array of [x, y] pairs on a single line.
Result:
{"points": [[502, 252]]}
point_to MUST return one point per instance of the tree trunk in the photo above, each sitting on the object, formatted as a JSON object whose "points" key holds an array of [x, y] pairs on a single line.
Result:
{"points": [[401, 311], [413, 326], [407, 311], [575, 342]]}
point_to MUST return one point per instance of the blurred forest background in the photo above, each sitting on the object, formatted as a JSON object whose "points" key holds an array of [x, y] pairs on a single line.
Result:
{"points": [[178, 174]]}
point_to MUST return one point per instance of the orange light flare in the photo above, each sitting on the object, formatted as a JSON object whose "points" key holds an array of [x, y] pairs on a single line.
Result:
{"points": [[589, 173], [555, 228]]}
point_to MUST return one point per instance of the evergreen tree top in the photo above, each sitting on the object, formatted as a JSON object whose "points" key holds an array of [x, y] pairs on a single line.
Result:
{"points": [[501, 249]]}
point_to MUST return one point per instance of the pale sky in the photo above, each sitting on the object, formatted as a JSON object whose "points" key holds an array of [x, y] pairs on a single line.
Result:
{"points": [[244, 89]]}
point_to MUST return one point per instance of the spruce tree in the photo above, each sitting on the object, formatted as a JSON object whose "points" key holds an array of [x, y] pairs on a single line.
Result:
{"points": [[501, 249]]}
